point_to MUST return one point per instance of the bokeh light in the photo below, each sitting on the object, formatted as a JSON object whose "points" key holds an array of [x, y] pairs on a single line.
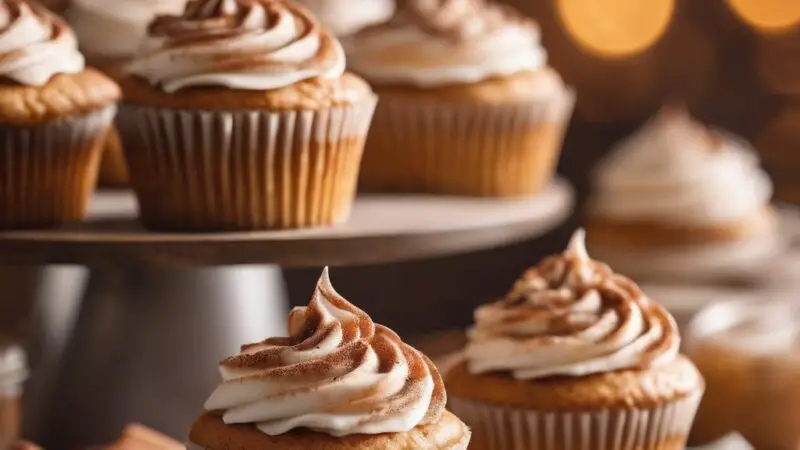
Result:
{"points": [[767, 15], [615, 28]]}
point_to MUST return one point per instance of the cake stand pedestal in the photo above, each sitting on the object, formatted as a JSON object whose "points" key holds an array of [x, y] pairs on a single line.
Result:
{"points": [[161, 309]]}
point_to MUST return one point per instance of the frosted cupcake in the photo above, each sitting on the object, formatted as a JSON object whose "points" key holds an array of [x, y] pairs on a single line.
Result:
{"points": [[468, 103], [338, 381], [346, 17], [109, 33], [575, 357], [54, 115], [239, 115], [749, 351], [678, 200]]}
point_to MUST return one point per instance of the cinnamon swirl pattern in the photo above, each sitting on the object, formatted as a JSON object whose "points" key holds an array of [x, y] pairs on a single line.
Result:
{"points": [[337, 372], [437, 42], [35, 44], [240, 44], [571, 316]]}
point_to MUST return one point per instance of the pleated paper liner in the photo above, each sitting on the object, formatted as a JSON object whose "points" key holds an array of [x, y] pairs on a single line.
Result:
{"points": [[244, 170], [464, 149], [49, 171], [113, 169], [663, 427]]}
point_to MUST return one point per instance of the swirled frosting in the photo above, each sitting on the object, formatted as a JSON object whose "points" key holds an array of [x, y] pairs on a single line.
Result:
{"points": [[344, 17], [676, 170], [240, 44], [438, 42], [114, 29], [337, 372], [35, 44], [571, 316]]}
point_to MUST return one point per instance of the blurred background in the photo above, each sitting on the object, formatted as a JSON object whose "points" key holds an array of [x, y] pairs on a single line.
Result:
{"points": [[734, 64]]}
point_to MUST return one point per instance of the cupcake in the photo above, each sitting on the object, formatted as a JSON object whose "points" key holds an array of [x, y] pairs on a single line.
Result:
{"points": [[346, 17], [13, 373], [239, 115], [54, 114], [468, 103], [574, 357], [338, 381], [749, 353], [109, 33], [680, 201]]}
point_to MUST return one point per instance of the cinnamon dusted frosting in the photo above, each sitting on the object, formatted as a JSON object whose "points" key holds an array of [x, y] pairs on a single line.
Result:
{"points": [[114, 29], [677, 171], [337, 372], [345, 17], [35, 44], [431, 43], [240, 44], [571, 316]]}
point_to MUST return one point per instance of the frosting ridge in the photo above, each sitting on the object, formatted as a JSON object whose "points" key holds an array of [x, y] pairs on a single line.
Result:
{"points": [[108, 29], [437, 42], [337, 372], [241, 44], [35, 44], [571, 316], [349, 16], [678, 171]]}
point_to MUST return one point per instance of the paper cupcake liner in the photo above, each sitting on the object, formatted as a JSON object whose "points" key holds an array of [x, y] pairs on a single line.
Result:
{"points": [[244, 170], [658, 428], [49, 170], [113, 169], [464, 149]]}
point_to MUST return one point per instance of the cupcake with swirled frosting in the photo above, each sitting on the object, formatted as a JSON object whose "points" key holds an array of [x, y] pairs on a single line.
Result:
{"points": [[468, 106], [575, 356], [239, 115], [338, 381], [109, 33], [54, 114], [678, 200]]}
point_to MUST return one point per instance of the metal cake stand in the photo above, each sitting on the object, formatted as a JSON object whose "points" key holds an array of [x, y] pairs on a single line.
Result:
{"points": [[157, 311]]}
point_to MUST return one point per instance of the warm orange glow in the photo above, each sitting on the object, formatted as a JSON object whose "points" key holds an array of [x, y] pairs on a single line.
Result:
{"points": [[768, 15], [615, 28]]}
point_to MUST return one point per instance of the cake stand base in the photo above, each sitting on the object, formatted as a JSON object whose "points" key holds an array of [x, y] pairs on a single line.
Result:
{"points": [[144, 340]]}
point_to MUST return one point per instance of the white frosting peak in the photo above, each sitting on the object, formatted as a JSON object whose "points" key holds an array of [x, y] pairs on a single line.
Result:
{"points": [[571, 316], [433, 43], [240, 44], [337, 372], [345, 17], [114, 29], [35, 45], [676, 170]]}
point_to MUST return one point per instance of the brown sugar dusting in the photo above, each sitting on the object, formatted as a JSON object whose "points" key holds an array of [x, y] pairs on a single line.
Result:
{"points": [[343, 337], [564, 297]]}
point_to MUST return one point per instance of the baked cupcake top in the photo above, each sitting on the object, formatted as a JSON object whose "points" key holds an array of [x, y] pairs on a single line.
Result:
{"points": [[238, 44], [344, 17], [337, 373], [676, 170], [431, 43], [113, 29], [35, 44], [571, 316]]}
